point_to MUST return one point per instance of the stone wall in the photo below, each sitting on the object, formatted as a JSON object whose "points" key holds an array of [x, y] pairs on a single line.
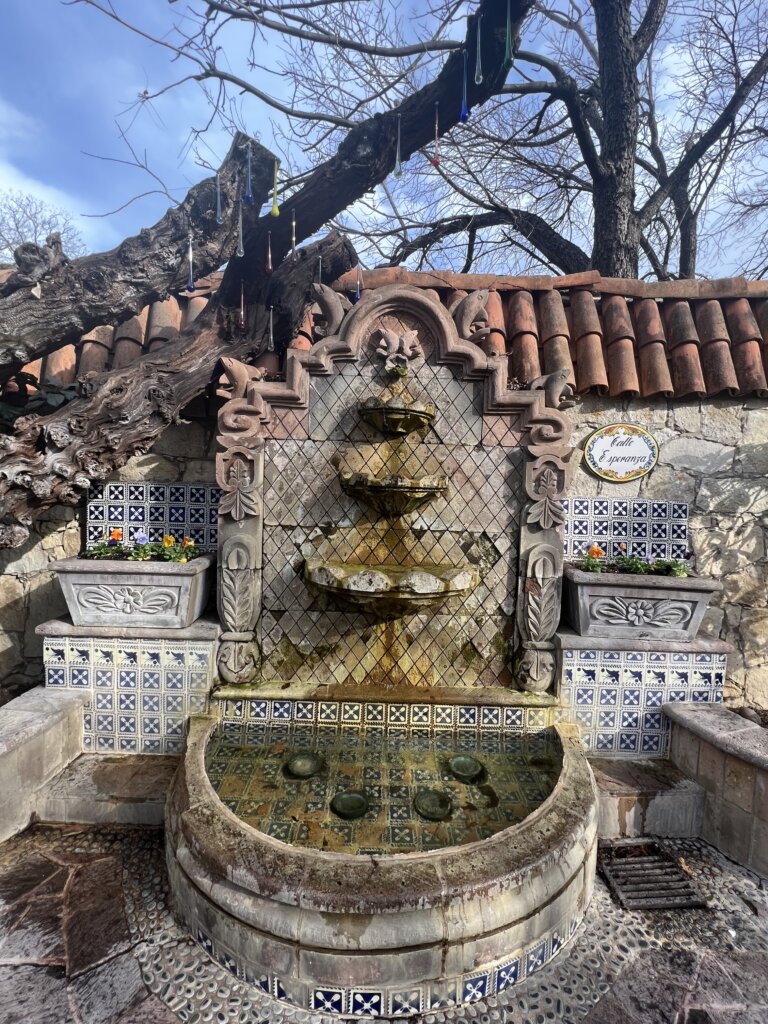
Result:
{"points": [[29, 591], [713, 455]]}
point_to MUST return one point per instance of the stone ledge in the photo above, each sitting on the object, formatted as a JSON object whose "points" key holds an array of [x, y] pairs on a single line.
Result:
{"points": [[40, 733], [566, 639], [203, 629], [724, 729]]}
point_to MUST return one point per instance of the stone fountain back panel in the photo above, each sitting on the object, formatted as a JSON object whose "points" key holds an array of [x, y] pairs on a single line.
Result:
{"points": [[309, 638]]}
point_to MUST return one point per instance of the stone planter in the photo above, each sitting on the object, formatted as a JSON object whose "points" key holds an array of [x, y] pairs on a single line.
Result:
{"points": [[639, 607], [169, 595]]}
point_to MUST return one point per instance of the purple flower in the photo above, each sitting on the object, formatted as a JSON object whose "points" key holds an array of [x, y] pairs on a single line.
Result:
{"points": [[112, 543], [140, 537]]}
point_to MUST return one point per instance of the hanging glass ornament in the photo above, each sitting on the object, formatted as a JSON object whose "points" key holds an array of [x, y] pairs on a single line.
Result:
{"points": [[248, 194], [241, 321], [240, 246], [398, 163], [275, 211], [319, 269], [478, 55], [219, 214], [190, 275], [269, 252], [358, 283], [508, 37], [293, 232], [435, 158], [464, 115], [271, 336]]}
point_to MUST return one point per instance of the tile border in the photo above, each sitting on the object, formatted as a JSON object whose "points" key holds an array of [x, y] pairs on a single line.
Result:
{"points": [[397, 1000]]}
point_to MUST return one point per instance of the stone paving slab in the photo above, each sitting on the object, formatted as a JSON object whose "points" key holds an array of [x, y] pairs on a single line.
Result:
{"points": [[87, 937]]}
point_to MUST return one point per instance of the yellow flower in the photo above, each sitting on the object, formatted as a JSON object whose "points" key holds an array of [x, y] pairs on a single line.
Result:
{"points": [[168, 540], [595, 551], [182, 560]]}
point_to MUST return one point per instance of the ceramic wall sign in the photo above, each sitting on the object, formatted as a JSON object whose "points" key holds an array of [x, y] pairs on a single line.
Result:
{"points": [[621, 452]]}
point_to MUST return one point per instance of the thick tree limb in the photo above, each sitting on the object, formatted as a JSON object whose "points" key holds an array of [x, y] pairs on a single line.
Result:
{"points": [[649, 27], [558, 250], [72, 297], [51, 460], [367, 154]]}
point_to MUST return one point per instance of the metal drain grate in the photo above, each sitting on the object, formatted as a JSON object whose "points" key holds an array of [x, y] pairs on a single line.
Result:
{"points": [[643, 876]]}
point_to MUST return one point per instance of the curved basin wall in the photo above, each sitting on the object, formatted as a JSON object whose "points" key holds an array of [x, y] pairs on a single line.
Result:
{"points": [[370, 936]]}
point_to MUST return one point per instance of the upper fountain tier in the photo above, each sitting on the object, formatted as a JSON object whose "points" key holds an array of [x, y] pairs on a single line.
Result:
{"points": [[398, 415]]}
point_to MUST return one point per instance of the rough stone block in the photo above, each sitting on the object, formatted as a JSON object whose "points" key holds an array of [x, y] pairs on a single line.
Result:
{"points": [[761, 795], [696, 455], [758, 853], [711, 768], [739, 782], [735, 832], [684, 750]]}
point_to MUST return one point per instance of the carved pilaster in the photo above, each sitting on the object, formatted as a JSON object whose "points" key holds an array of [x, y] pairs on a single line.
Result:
{"points": [[548, 470], [240, 474]]}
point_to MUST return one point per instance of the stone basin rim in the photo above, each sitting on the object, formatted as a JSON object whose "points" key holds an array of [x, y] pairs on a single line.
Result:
{"points": [[574, 792]]}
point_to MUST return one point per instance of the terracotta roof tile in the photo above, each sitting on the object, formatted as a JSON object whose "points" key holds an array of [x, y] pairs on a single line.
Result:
{"points": [[745, 347], [587, 335], [716, 362], [60, 365], [683, 348], [129, 340], [761, 315], [619, 339], [655, 378], [164, 323], [523, 337], [94, 350], [554, 335], [497, 339]]}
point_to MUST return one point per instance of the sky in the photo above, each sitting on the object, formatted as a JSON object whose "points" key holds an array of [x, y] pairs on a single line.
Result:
{"points": [[66, 73]]}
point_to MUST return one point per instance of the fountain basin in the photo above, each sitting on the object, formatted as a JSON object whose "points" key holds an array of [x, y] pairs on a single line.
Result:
{"points": [[397, 416], [390, 589], [393, 495], [381, 934]]}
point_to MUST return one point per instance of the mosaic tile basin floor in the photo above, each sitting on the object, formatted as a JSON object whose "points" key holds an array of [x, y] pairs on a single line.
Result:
{"points": [[87, 937], [246, 764]]}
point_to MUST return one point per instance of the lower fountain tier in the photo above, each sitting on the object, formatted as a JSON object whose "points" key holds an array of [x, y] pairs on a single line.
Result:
{"points": [[390, 589], [394, 934]]}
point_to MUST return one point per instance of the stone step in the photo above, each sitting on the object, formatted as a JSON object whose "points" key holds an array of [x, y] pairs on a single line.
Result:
{"points": [[122, 789], [640, 798]]}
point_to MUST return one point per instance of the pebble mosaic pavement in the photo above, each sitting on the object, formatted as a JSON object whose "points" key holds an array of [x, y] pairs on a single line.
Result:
{"points": [[87, 937]]}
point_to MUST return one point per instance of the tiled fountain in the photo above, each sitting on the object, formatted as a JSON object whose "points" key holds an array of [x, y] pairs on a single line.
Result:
{"points": [[380, 815]]}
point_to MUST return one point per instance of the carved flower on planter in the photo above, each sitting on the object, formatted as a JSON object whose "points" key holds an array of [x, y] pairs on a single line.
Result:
{"points": [[640, 613], [127, 599]]}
